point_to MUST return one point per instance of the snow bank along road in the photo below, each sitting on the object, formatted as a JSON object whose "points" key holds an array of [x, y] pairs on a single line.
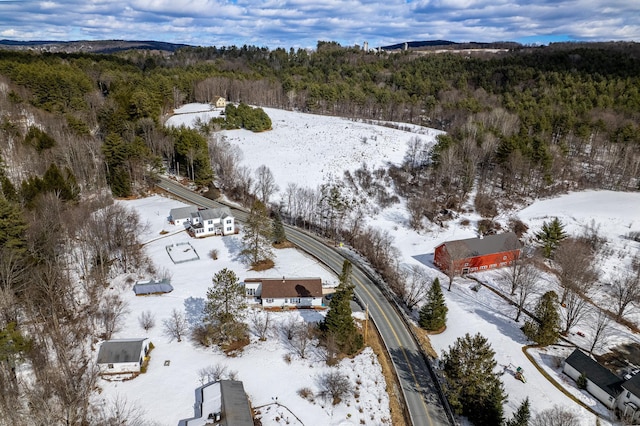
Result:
{"points": [[424, 402]]}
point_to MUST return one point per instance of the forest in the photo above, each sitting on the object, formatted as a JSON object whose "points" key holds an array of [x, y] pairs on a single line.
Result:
{"points": [[77, 130]]}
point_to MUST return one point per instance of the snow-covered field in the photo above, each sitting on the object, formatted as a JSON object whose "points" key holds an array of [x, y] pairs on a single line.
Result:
{"points": [[308, 149]]}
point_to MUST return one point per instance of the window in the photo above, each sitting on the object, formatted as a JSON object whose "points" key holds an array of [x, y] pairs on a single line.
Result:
{"points": [[228, 221], [109, 365], [210, 222], [466, 264], [210, 229], [628, 394], [504, 257], [268, 300], [483, 267], [228, 229], [251, 291]]}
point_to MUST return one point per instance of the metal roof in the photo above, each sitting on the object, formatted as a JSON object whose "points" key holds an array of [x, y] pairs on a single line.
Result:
{"points": [[235, 405], [120, 350], [595, 372], [152, 287], [488, 244]]}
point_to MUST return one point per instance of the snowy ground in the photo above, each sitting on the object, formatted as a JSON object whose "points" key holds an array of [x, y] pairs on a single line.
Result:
{"points": [[308, 149], [166, 393]]}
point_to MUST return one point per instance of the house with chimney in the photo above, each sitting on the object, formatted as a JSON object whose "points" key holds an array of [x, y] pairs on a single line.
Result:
{"points": [[285, 292]]}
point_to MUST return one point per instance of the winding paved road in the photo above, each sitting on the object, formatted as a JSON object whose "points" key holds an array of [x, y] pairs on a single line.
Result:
{"points": [[421, 395]]}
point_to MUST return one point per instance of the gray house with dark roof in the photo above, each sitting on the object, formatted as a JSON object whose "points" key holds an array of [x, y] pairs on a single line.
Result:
{"points": [[604, 385]]}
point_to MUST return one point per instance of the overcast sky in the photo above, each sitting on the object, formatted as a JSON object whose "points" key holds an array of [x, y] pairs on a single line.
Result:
{"points": [[301, 23]]}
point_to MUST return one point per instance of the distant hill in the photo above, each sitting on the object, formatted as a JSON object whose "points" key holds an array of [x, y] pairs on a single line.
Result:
{"points": [[446, 44], [99, 46]]}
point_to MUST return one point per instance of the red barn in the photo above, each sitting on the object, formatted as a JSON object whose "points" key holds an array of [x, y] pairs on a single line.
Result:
{"points": [[477, 254]]}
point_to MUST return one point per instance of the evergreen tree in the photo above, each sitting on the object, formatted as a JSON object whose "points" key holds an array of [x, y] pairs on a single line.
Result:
{"points": [[224, 305], [522, 416], [13, 227], [279, 235], [433, 314], [256, 240], [550, 236], [546, 329], [338, 323], [9, 190], [473, 388], [39, 139]]}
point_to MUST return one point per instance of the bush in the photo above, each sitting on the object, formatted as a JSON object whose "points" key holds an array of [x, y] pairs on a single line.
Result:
{"points": [[213, 254], [305, 393], [485, 205], [582, 381]]}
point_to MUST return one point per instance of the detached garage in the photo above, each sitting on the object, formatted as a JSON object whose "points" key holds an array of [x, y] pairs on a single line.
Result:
{"points": [[122, 355]]}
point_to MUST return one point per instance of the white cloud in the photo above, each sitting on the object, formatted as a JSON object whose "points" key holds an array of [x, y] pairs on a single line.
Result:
{"points": [[300, 23]]}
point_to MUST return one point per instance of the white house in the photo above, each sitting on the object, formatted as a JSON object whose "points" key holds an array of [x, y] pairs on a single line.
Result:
{"points": [[204, 222], [122, 355], [629, 399], [285, 292], [183, 215], [601, 383]]}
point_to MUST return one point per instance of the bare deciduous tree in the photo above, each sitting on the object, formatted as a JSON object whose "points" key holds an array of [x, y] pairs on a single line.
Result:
{"points": [[334, 385], [110, 314], [261, 323], [302, 338], [212, 373], [626, 290], [556, 416], [413, 285], [289, 326], [176, 326], [265, 185], [119, 411], [528, 276], [147, 320], [599, 325], [574, 309], [577, 273]]}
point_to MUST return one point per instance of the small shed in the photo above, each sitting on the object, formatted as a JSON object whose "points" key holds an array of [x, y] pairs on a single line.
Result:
{"points": [[122, 355], [601, 383], [143, 288]]}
